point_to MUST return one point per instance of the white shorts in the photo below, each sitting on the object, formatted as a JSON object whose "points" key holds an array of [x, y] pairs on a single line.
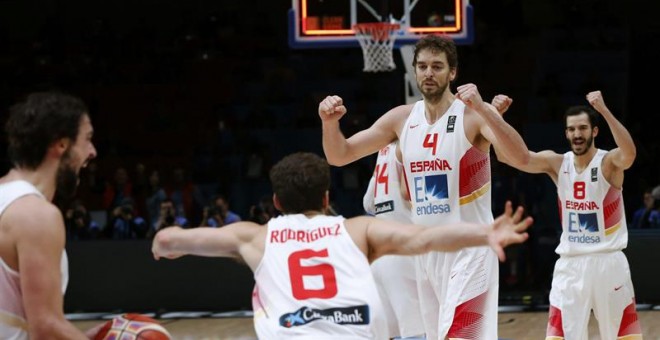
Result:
{"points": [[459, 293], [598, 282], [397, 286]]}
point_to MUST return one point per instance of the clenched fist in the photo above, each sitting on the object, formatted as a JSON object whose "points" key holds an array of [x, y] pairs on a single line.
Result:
{"points": [[331, 108]]}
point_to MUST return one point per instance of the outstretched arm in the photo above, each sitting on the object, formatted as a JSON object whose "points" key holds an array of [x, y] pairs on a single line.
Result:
{"points": [[624, 155], [237, 240], [340, 150], [539, 162], [497, 131], [389, 237]]}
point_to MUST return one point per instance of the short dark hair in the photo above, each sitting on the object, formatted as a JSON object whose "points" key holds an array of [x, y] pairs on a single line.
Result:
{"points": [[579, 109], [300, 181], [38, 121], [437, 43]]}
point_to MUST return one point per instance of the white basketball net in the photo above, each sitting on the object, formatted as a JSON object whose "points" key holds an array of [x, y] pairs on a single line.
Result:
{"points": [[377, 42]]}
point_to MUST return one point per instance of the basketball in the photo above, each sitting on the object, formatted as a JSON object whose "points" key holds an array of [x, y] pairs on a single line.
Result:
{"points": [[132, 326]]}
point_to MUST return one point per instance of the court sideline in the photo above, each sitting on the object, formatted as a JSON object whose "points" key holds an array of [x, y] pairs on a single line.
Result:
{"points": [[512, 326]]}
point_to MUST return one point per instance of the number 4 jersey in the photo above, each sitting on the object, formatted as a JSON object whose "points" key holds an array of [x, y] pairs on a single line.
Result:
{"points": [[314, 282]]}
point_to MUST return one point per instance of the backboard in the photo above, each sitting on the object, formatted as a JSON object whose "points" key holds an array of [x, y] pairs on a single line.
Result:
{"points": [[328, 23]]}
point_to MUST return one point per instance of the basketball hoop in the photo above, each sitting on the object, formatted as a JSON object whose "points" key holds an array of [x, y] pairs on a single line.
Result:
{"points": [[377, 42]]}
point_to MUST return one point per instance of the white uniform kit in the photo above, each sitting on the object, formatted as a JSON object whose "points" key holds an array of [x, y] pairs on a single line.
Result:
{"points": [[592, 271], [449, 181], [394, 274], [13, 323], [314, 282]]}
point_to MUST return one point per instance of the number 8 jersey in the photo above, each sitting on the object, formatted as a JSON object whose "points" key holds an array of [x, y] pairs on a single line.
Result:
{"points": [[314, 282], [590, 209]]}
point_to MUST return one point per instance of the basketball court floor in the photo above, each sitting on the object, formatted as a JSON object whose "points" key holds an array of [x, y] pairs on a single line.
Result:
{"points": [[512, 326]]}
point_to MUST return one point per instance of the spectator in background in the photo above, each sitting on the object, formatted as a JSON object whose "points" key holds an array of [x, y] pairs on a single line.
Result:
{"points": [[181, 191], [212, 217], [155, 195], [140, 186], [217, 214], [167, 216], [91, 188], [647, 216], [656, 192], [79, 224], [125, 223], [263, 211], [116, 191]]}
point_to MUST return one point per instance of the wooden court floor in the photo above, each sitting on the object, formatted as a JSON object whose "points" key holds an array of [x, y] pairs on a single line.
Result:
{"points": [[513, 326]]}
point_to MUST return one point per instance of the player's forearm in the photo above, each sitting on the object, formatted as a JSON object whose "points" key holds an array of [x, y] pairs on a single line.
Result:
{"points": [[512, 146], [454, 237], [335, 145], [55, 330], [200, 241]]}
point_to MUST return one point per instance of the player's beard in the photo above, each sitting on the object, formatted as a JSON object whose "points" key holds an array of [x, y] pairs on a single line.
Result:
{"points": [[67, 178], [585, 146], [434, 95]]}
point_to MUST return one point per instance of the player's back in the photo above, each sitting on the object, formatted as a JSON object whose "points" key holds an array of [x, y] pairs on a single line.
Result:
{"points": [[315, 283]]}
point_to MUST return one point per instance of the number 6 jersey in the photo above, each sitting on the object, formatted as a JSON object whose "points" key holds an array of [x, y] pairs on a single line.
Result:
{"points": [[314, 282]]}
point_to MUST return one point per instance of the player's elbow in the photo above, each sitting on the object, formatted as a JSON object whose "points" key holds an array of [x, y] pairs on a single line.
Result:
{"points": [[519, 161], [629, 158], [334, 161], [337, 160], [164, 242]]}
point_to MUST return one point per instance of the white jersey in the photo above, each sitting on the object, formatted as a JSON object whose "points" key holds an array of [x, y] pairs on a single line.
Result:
{"points": [[383, 196], [449, 181], [314, 282], [448, 178], [591, 210], [394, 274], [13, 324]]}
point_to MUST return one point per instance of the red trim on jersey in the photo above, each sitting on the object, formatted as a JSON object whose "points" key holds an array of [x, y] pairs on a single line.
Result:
{"points": [[555, 326], [474, 171], [629, 321], [561, 219], [257, 305], [469, 319], [612, 208], [405, 180]]}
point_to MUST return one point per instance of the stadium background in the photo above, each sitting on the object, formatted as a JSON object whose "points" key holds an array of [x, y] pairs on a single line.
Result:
{"points": [[159, 76]]}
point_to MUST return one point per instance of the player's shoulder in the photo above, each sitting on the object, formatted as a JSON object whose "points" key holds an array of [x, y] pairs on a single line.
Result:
{"points": [[551, 154], [30, 207], [32, 214], [552, 159], [398, 114], [404, 109], [358, 222]]}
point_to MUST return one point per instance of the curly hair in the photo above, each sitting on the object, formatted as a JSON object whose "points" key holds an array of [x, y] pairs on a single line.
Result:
{"points": [[39, 120], [300, 181], [437, 44]]}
